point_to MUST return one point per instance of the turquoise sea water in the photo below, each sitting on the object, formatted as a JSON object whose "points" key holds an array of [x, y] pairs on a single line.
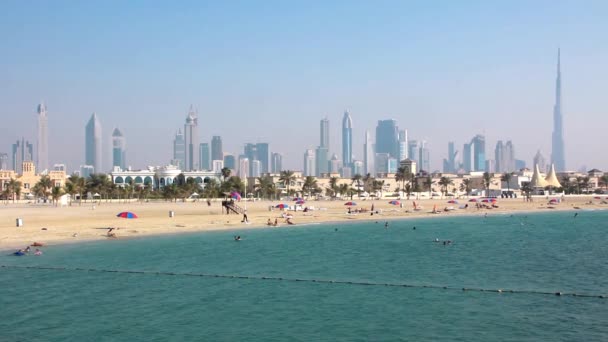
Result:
{"points": [[536, 253]]}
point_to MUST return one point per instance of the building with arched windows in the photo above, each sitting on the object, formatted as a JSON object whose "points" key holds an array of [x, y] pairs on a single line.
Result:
{"points": [[159, 177]]}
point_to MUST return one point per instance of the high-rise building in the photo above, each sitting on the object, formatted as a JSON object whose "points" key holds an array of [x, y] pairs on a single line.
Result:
{"points": [[424, 158], [86, 171], [118, 149], [334, 164], [191, 141], [325, 133], [259, 152], [179, 150], [205, 156], [381, 163], [347, 140], [217, 152], [60, 167], [217, 165], [277, 162], [478, 144], [256, 168], [413, 150], [403, 149], [358, 168], [230, 161], [368, 155], [321, 162], [557, 153], [393, 165], [309, 163], [42, 144], [539, 160], [92, 144], [387, 138], [467, 164], [449, 164], [243, 167], [504, 156], [23, 151], [3, 161], [520, 164]]}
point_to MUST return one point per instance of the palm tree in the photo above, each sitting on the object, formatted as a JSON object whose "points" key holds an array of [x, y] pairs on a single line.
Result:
{"points": [[526, 189], [466, 185], [487, 179], [287, 177], [357, 179], [14, 189], [265, 186], [56, 193], [506, 177], [78, 185], [45, 184], [402, 176], [444, 182], [428, 184], [344, 190], [378, 185], [225, 173], [333, 185], [310, 185], [583, 183]]}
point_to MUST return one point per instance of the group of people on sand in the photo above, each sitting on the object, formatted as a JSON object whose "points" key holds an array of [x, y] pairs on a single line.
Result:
{"points": [[111, 233], [27, 250], [287, 218]]}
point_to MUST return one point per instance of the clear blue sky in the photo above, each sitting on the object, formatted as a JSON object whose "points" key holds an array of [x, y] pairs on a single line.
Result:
{"points": [[270, 70]]}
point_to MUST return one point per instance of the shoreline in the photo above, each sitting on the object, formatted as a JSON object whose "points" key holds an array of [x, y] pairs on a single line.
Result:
{"points": [[88, 223]]}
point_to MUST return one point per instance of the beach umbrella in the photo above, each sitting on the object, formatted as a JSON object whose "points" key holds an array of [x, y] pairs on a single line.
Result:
{"points": [[393, 202], [235, 195], [453, 201], [282, 206], [597, 197], [301, 201], [473, 200], [127, 215], [553, 201], [488, 200], [350, 203], [298, 199]]}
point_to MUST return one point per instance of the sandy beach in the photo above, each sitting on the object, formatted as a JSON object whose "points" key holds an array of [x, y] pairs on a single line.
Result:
{"points": [[50, 225]]}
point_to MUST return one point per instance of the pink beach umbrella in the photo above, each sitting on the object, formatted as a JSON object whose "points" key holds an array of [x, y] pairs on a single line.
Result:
{"points": [[453, 201], [301, 201], [473, 200], [350, 203], [597, 197], [235, 195], [282, 206]]}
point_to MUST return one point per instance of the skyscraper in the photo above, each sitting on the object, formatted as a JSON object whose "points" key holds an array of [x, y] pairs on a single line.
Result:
{"points": [[217, 153], [325, 133], [22, 151], [309, 163], [92, 144], [413, 150], [449, 164], [557, 154], [368, 155], [230, 161], [504, 156], [179, 150], [3, 161], [277, 162], [467, 164], [118, 149], [478, 146], [191, 141], [539, 160], [321, 162], [387, 138], [424, 158], [258, 152], [347, 140], [403, 145], [42, 147], [205, 156]]}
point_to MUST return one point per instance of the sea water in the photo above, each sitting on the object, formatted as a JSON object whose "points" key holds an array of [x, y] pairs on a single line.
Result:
{"points": [[305, 283]]}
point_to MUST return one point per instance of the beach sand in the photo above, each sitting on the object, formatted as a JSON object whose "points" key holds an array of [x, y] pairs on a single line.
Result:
{"points": [[90, 221]]}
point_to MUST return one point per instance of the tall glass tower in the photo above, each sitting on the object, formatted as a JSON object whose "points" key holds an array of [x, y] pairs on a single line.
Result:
{"points": [[118, 149], [191, 141], [557, 154], [42, 148], [92, 144], [347, 140]]}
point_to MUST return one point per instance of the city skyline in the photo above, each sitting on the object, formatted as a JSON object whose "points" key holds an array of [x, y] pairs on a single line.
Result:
{"points": [[498, 90]]}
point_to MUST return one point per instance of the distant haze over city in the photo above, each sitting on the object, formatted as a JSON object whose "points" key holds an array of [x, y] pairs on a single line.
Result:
{"points": [[269, 72]]}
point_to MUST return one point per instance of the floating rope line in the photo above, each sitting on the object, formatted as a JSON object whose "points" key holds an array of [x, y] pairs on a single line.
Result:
{"points": [[308, 280]]}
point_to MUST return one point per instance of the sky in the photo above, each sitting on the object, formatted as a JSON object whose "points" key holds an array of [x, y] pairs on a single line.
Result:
{"points": [[269, 71]]}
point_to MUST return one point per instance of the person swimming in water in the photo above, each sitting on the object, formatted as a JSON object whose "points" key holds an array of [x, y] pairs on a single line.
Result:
{"points": [[38, 252], [237, 238]]}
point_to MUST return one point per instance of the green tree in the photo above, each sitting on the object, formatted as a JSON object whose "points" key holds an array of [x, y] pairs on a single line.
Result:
{"points": [[287, 177], [310, 185], [56, 193], [225, 173], [14, 189], [466, 186], [487, 180], [444, 182], [402, 175], [428, 185], [506, 177], [603, 181], [333, 185], [45, 184], [265, 187], [357, 180]]}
